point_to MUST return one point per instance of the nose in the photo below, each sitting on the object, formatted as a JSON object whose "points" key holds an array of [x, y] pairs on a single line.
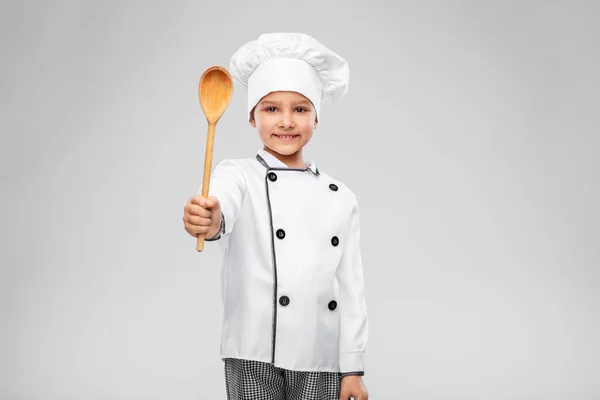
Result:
{"points": [[286, 121]]}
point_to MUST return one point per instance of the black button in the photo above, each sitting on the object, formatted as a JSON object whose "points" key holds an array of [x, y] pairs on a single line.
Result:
{"points": [[272, 176], [333, 187], [280, 233], [332, 305], [284, 300], [335, 241]]}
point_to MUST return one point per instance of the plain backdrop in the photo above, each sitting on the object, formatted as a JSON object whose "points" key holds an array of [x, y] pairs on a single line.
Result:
{"points": [[469, 135]]}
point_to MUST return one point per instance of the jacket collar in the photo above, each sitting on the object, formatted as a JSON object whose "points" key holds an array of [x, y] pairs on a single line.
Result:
{"points": [[270, 161]]}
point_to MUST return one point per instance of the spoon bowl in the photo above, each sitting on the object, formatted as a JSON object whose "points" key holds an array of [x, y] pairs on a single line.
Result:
{"points": [[214, 92]]}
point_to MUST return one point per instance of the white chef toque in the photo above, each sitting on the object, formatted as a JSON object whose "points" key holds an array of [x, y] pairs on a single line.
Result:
{"points": [[289, 62]]}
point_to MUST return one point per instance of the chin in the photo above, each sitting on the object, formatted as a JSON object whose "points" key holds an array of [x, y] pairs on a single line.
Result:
{"points": [[285, 150]]}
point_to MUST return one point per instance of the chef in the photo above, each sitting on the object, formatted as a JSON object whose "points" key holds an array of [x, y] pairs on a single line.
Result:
{"points": [[295, 318]]}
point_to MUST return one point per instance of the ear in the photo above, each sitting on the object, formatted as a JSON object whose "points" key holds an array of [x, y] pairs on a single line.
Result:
{"points": [[252, 120], [316, 122]]}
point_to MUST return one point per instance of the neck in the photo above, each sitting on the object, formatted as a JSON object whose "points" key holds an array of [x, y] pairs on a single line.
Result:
{"points": [[291, 160]]}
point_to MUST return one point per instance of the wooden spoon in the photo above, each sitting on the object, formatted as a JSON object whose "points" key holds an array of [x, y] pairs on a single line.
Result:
{"points": [[214, 92]]}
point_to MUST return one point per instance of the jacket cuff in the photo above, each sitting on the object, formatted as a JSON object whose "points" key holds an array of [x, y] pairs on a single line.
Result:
{"points": [[352, 363]]}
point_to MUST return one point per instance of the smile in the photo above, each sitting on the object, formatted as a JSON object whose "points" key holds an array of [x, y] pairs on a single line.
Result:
{"points": [[286, 138]]}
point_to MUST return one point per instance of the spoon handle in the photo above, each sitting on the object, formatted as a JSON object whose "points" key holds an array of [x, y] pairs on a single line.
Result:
{"points": [[210, 139]]}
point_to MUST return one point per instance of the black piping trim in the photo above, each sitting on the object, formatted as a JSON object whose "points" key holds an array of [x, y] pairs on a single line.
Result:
{"points": [[222, 223], [355, 373], [264, 163], [274, 326]]}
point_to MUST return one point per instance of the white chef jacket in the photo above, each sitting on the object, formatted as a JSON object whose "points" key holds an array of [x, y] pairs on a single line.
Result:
{"points": [[292, 280]]}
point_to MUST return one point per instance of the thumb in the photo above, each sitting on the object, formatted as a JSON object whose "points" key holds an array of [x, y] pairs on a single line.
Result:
{"points": [[213, 203]]}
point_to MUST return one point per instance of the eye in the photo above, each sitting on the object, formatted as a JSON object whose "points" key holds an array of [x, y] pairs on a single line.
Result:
{"points": [[301, 109], [270, 109]]}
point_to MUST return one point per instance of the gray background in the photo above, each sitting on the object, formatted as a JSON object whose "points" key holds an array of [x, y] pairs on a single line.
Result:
{"points": [[469, 135]]}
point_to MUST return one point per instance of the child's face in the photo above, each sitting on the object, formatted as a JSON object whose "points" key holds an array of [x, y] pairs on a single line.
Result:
{"points": [[285, 121]]}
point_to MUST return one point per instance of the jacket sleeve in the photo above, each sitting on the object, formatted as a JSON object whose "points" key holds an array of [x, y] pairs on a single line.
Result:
{"points": [[354, 322], [228, 185]]}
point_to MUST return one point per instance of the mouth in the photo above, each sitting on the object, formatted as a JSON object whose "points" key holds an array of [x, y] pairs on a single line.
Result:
{"points": [[286, 138]]}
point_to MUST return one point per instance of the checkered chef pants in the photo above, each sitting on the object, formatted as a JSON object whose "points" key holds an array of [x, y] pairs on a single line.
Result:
{"points": [[254, 380]]}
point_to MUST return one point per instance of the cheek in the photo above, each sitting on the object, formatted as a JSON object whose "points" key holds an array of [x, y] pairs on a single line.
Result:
{"points": [[264, 130], [308, 125], [264, 122]]}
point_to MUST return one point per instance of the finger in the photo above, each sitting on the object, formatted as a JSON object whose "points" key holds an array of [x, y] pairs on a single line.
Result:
{"points": [[196, 229], [212, 202], [199, 200], [198, 221], [194, 209]]}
